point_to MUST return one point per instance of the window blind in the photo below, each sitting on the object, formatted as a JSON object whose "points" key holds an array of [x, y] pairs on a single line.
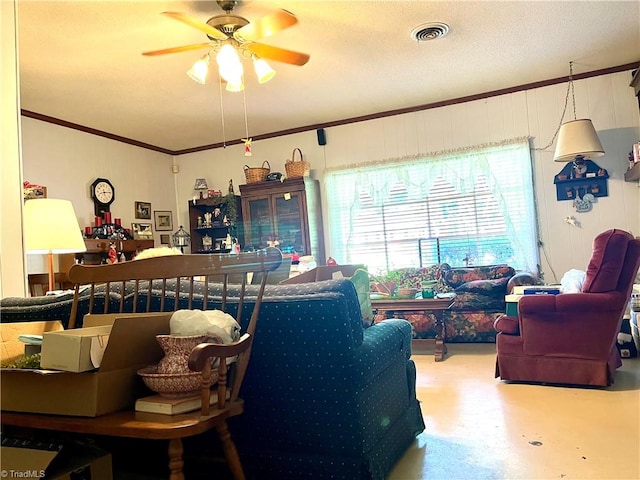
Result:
{"points": [[469, 207]]}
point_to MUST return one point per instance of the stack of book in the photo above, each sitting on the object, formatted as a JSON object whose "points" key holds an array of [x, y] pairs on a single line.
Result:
{"points": [[172, 406], [537, 290]]}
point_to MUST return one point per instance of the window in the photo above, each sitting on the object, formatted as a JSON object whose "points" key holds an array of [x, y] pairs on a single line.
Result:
{"points": [[466, 207]]}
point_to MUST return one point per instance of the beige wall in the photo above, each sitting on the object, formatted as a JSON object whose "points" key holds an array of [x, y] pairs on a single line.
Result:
{"points": [[607, 100], [67, 161], [12, 267]]}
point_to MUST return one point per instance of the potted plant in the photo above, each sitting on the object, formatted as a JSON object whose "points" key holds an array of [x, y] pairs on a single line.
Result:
{"points": [[231, 207]]}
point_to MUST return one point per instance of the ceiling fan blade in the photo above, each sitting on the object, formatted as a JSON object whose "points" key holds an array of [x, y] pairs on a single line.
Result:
{"points": [[266, 26], [192, 22], [183, 48], [278, 54]]}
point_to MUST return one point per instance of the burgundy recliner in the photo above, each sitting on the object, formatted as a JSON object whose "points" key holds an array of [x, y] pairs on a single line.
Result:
{"points": [[570, 338]]}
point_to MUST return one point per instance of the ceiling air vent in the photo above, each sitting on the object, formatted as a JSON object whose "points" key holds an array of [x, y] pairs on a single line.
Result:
{"points": [[429, 31]]}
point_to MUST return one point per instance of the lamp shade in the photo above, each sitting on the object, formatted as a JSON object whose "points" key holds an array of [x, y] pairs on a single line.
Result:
{"points": [[51, 226], [263, 70], [577, 138], [198, 72], [201, 184]]}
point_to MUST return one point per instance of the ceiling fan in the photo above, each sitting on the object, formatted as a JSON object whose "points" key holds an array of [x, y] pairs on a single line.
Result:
{"points": [[233, 38]]}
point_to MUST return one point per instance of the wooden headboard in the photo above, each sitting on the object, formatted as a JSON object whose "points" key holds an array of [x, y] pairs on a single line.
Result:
{"points": [[185, 269]]}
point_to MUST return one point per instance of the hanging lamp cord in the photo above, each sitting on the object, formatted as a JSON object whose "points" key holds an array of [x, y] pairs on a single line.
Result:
{"points": [[246, 123], [224, 136], [564, 110]]}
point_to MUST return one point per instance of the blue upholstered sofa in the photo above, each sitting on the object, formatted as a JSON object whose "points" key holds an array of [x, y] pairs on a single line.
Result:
{"points": [[324, 397]]}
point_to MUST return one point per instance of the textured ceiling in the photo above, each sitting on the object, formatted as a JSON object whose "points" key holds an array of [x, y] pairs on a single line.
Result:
{"points": [[81, 62]]}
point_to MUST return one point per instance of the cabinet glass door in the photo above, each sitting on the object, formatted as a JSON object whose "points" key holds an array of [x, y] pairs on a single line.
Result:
{"points": [[261, 224], [289, 221]]}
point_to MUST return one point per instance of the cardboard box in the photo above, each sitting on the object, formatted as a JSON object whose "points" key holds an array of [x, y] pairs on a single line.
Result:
{"points": [[357, 274], [10, 347], [512, 304], [77, 462], [76, 350], [114, 386]]}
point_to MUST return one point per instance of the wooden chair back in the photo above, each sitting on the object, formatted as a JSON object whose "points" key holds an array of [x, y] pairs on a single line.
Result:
{"points": [[140, 275], [39, 283], [185, 269]]}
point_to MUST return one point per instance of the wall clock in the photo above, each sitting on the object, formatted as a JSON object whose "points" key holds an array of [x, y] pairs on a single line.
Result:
{"points": [[103, 194]]}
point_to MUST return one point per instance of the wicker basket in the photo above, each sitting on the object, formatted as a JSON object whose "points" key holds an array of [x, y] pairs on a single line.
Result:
{"points": [[257, 174], [297, 168]]}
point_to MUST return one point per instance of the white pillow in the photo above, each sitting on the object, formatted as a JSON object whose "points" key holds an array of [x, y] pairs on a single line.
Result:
{"points": [[573, 280], [158, 252]]}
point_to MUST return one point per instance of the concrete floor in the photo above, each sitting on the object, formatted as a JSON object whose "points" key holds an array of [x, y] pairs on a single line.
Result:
{"points": [[478, 427]]}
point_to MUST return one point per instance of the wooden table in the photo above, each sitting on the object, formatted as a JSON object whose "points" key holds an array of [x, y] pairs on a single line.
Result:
{"points": [[130, 424], [436, 306]]}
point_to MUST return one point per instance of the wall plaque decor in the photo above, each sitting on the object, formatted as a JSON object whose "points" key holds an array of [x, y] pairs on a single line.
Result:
{"points": [[577, 180]]}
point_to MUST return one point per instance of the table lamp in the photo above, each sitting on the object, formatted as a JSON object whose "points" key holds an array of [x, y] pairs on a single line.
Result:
{"points": [[51, 226]]}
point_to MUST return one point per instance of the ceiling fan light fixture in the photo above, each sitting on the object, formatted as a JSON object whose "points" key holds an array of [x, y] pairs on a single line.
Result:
{"points": [[198, 72], [263, 70], [235, 85], [229, 64]]}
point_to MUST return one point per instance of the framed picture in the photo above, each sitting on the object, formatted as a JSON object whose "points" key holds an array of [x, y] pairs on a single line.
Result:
{"points": [[142, 231], [143, 210], [165, 239], [163, 220]]}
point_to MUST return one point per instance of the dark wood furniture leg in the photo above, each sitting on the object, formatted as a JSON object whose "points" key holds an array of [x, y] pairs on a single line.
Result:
{"points": [[441, 334], [230, 451], [176, 463]]}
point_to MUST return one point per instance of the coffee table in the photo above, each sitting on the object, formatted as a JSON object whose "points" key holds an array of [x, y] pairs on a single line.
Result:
{"points": [[393, 308]]}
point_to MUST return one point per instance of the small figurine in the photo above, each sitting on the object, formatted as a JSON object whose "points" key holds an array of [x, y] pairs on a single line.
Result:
{"points": [[113, 255], [207, 243], [199, 222], [247, 146], [207, 219], [231, 187]]}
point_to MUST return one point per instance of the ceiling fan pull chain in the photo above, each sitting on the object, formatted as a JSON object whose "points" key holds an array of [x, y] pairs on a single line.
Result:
{"points": [[247, 139], [224, 136]]}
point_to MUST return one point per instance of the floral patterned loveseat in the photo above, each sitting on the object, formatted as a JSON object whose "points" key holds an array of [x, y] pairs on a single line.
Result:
{"points": [[479, 298]]}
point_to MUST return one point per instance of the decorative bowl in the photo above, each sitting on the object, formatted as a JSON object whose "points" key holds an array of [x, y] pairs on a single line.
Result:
{"points": [[407, 292], [173, 385]]}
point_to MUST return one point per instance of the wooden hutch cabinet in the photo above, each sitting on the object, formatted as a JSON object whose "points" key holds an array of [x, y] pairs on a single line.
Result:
{"points": [[286, 212], [207, 227]]}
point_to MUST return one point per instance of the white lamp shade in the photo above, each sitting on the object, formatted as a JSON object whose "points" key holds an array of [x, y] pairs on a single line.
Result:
{"points": [[235, 86], [229, 64], [263, 70], [198, 72], [577, 138], [51, 226]]}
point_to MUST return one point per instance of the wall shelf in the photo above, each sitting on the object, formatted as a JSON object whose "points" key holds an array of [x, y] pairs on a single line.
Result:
{"points": [[633, 173], [570, 185]]}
